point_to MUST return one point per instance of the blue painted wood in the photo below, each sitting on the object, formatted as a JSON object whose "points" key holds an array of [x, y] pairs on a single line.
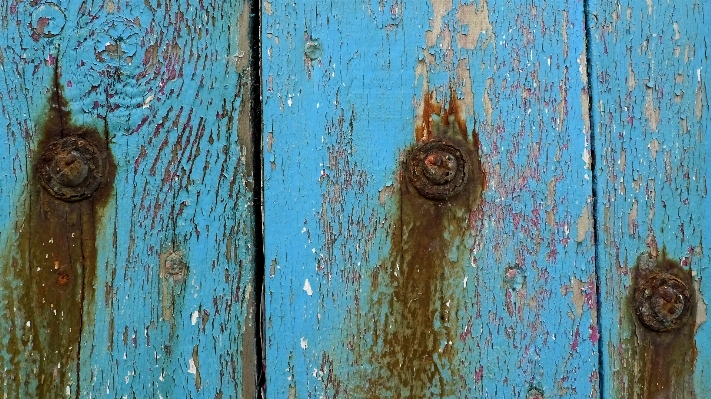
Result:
{"points": [[145, 289], [651, 118], [507, 307]]}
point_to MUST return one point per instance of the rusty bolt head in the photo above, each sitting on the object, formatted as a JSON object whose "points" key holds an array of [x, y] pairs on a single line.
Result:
{"points": [[534, 393], [71, 169], [437, 169], [662, 302]]}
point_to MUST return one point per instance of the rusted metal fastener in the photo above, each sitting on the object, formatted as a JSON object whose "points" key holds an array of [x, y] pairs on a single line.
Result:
{"points": [[534, 393], [662, 301], [71, 169], [437, 169]]}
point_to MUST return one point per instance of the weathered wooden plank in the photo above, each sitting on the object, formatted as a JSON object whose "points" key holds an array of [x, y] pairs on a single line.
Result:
{"points": [[651, 118], [375, 291], [143, 289]]}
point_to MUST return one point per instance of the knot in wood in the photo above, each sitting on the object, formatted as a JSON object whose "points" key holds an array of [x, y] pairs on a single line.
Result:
{"points": [[47, 20], [175, 266]]}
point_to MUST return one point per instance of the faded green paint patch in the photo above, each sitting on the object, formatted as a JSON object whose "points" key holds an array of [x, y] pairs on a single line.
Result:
{"points": [[49, 273], [656, 365], [417, 287]]}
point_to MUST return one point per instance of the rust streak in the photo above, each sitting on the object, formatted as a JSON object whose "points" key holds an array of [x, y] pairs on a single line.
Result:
{"points": [[413, 350], [54, 262], [657, 364]]}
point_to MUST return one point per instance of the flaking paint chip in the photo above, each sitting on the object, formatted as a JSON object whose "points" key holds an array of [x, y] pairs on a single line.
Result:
{"points": [[307, 287]]}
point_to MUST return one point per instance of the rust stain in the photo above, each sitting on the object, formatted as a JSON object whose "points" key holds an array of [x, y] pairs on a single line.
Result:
{"points": [[449, 122], [657, 365], [419, 301], [54, 263]]}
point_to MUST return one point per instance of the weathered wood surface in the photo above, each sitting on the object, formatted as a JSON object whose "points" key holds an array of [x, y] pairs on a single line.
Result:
{"points": [[651, 117], [373, 291], [143, 290]]}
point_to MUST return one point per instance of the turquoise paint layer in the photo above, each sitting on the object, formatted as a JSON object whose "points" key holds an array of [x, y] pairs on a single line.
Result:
{"points": [[170, 314], [343, 85], [651, 119]]}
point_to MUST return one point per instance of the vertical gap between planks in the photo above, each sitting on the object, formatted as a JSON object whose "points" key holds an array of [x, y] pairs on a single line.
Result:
{"points": [[257, 192], [588, 18]]}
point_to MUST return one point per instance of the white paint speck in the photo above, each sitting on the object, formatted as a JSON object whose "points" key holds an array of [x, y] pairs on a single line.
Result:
{"points": [[465, 281], [304, 343], [28, 323], [192, 369], [147, 101], [307, 287], [587, 158], [194, 317]]}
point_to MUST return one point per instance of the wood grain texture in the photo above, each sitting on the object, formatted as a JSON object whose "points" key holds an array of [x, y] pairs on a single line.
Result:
{"points": [[651, 117], [144, 289], [372, 291]]}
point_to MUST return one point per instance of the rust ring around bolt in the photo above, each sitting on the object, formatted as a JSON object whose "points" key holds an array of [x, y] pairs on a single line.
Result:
{"points": [[662, 302], [71, 169], [437, 169]]}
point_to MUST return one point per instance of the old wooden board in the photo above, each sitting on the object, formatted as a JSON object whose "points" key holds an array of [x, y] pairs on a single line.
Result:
{"points": [[374, 291], [651, 117], [142, 288]]}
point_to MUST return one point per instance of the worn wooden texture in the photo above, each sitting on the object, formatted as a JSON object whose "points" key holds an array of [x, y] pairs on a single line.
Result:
{"points": [[373, 291], [651, 118], [144, 290]]}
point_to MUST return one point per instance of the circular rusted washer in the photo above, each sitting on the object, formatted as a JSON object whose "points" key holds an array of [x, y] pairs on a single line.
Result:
{"points": [[71, 169], [437, 169], [662, 302]]}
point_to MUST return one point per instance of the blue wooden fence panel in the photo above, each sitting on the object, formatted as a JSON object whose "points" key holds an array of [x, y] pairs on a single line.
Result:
{"points": [[143, 290], [373, 291], [651, 118]]}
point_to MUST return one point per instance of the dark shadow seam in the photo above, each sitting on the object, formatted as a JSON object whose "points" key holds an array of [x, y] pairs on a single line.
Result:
{"points": [[258, 192], [590, 63]]}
